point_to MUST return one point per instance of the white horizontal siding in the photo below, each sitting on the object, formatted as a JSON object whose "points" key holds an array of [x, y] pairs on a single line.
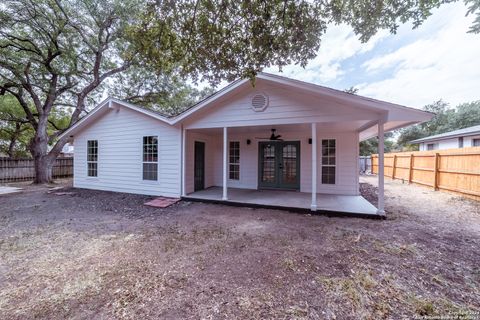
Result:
{"points": [[468, 141], [450, 143], [120, 140], [212, 151], [285, 106], [346, 170]]}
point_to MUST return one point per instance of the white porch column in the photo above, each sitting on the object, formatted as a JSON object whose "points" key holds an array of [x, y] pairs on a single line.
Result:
{"points": [[184, 157], [225, 163], [381, 168], [313, 207]]}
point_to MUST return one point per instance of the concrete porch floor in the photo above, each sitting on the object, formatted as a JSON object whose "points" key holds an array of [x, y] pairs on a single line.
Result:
{"points": [[350, 205]]}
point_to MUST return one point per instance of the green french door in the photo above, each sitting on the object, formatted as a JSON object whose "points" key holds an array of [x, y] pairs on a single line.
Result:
{"points": [[279, 165]]}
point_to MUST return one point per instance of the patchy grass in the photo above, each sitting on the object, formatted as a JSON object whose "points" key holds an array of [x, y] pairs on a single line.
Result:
{"points": [[105, 255]]}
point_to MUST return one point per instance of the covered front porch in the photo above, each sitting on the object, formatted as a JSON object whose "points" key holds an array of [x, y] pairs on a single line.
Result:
{"points": [[291, 200], [208, 174]]}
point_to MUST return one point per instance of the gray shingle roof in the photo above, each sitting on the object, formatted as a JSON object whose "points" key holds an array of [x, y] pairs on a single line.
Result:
{"points": [[470, 131]]}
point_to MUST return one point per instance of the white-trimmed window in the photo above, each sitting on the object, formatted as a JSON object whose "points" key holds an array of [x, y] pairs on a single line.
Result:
{"points": [[432, 146], [92, 158], [328, 161], [476, 143], [234, 160], [150, 158]]}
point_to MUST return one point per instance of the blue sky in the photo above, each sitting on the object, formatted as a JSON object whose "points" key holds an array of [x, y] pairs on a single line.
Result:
{"points": [[438, 60]]}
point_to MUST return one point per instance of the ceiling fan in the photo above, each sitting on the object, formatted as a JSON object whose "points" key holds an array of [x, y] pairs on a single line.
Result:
{"points": [[273, 136]]}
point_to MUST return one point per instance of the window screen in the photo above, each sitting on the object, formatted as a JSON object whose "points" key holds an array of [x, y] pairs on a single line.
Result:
{"points": [[92, 158], [150, 158], [234, 160], [328, 161]]}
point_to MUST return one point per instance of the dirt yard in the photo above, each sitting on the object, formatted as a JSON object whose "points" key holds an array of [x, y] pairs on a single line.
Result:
{"points": [[101, 255]]}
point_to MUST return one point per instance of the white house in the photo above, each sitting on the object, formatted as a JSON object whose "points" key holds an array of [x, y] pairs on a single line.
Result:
{"points": [[245, 144], [467, 137]]}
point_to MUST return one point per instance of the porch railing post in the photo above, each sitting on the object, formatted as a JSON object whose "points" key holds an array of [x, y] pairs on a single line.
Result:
{"points": [[381, 168], [314, 167], [184, 148], [225, 164]]}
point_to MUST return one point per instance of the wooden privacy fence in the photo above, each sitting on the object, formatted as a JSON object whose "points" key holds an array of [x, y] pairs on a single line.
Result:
{"points": [[455, 170], [23, 169]]}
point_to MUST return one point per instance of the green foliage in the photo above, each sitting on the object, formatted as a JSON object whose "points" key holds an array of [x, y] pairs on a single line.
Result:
{"points": [[15, 132], [370, 146], [474, 8], [351, 90], [167, 94], [228, 39], [225, 40], [467, 114], [446, 119], [58, 57]]}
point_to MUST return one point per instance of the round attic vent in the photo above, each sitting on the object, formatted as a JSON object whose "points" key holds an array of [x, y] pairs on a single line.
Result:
{"points": [[259, 102]]}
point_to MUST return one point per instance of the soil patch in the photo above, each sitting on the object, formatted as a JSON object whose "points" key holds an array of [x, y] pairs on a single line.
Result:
{"points": [[94, 254]]}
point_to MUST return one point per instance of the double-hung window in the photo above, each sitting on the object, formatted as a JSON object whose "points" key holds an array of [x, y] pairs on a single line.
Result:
{"points": [[92, 158], [234, 160], [328, 161], [150, 158]]}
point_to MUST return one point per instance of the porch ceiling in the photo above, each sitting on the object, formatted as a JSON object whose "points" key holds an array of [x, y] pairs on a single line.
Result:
{"points": [[321, 127]]}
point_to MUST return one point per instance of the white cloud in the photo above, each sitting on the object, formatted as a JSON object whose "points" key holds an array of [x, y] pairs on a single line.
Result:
{"points": [[443, 64], [338, 44], [439, 60]]}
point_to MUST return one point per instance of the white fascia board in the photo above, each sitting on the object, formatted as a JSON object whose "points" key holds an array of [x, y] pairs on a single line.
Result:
{"points": [[356, 99], [107, 104], [207, 101], [372, 131]]}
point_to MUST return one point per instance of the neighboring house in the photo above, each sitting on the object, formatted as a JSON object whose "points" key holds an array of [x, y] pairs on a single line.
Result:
{"points": [[467, 137], [67, 150], [244, 144]]}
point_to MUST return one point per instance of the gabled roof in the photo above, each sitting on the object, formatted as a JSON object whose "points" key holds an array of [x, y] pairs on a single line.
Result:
{"points": [[470, 131], [403, 115], [369, 102], [108, 104]]}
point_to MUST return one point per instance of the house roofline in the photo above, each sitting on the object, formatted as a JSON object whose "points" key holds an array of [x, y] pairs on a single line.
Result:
{"points": [[456, 135], [371, 103], [343, 93], [105, 104], [199, 105]]}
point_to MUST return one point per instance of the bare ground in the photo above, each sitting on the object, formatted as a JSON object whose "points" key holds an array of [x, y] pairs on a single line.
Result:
{"points": [[93, 254]]}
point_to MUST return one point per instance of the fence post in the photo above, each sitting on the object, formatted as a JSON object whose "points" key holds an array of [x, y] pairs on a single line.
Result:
{"points": [[393, 166], [410, 169], [436, 165]]}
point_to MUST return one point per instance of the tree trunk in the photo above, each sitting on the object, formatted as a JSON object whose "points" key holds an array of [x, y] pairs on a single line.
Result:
{"points": [[13, 140], [11, 147], [43, 169], [42, 158]]}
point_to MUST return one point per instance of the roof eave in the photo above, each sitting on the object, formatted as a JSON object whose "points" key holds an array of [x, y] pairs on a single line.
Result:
{"points": [[103, 105], [458, 135]]}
